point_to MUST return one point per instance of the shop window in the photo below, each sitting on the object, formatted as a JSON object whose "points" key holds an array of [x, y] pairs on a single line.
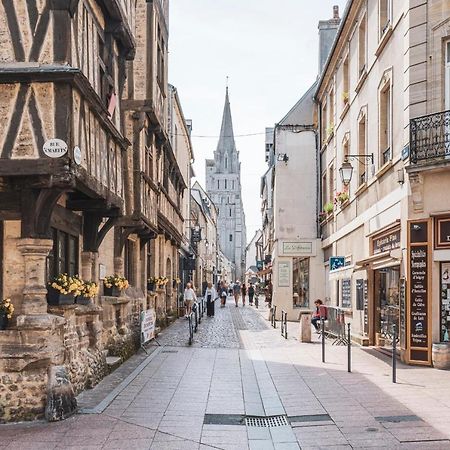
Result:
{"points": [[300, 276], [445, 302], [63, 258]]}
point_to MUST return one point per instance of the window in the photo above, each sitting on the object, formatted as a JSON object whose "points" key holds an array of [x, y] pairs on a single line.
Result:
{"points": [[129, 268], [148, 153], [226, 162], [233, 184], [300, 275], [331, 184], [346, 82], [447, 76], [384, 16], [230, 212], [218, 184], [324, 188], [362, 176], [324, 122], [331, 118], [226, 187], [160, 60], [231, 238], [63, 258], [385, 124], [362, 37]]}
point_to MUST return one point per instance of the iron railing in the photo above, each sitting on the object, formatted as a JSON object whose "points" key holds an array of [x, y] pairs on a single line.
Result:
{"points": [[430, 137]]}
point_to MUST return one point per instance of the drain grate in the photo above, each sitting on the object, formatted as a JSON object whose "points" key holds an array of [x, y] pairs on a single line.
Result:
{"points": [[169, 351], [266, 422], [397, 419]]}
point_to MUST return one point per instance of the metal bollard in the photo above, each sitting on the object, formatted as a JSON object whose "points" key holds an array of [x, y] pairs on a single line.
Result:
{"points": [[191, 329], [200, 311], [322, 319], [196, 318], [284, 324], [349, 349], [274, 316], [394, 353]]}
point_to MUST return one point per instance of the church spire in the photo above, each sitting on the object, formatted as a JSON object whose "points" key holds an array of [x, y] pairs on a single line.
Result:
{"points": [[226, 141]]}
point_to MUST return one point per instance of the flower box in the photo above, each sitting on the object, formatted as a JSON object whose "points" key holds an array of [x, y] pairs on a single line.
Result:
{"points": [[150, 286], [113, 291], [3, 321], [83, 300], [55, 298]]}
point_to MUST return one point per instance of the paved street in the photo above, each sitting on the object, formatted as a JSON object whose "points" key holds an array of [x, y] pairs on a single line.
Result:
{"points": [[207, 396]]}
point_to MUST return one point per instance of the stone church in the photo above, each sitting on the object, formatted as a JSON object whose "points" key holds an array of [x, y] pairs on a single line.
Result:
{"points": [[223, 184]]}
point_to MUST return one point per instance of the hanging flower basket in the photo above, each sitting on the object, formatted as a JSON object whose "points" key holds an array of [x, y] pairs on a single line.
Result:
{"points": [[114, 285]]}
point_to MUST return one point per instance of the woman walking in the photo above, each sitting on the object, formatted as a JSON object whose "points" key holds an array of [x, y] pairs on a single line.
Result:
{"points": [[251, 294], [236, 292], [189, 297], [244, 293], [210, 295]]}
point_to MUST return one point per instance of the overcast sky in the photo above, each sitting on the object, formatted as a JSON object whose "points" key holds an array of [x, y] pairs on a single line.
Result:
{"points": [[268, 49]]}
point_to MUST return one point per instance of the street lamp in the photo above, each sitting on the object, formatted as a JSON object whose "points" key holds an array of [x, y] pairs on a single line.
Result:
{"points": [[346, 170]]}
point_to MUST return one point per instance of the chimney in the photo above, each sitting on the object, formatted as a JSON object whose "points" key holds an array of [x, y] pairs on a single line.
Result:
{"points": [[327, 32], [336, 12]]}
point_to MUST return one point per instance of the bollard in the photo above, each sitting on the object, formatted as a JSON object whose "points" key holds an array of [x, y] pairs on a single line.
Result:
{"points": [[274, 316], [322, 319], [200, 311], [394, 353], [349, 349], [196, 318], [191, 329], [284, 324]]}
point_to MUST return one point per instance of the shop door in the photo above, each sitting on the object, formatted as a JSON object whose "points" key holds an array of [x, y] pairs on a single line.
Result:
{"points": [[387, 305]]}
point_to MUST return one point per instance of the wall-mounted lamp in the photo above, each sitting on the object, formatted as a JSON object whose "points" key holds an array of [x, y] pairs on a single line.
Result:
{"points": [[346, 170], [400, 176], [283, 157]]}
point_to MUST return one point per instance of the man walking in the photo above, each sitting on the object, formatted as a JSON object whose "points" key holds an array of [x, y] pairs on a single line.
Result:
{"points": [[236, 292]]}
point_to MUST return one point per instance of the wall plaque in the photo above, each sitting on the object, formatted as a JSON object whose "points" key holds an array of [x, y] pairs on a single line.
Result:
{"points": [[284, 274], [419, 295], [55, 148], [346, 292], [386, 242], [297, 248]]}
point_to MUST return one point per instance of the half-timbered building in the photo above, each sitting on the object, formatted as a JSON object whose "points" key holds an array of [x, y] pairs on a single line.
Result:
{"points": [[89, 185]]}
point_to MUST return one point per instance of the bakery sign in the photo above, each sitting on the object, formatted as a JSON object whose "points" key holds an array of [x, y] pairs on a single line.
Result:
{"points": [[296, 248], [386, 242]]}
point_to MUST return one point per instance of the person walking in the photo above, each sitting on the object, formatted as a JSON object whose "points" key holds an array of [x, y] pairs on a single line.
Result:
{"points": [[210, 295], [189, 298], [223, 294], [244, 293], [236, 292], [251, 294]]}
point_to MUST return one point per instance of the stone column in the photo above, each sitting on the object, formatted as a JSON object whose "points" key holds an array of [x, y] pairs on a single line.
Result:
{"points": [[35, 252], [89, 266], [118, 266]]}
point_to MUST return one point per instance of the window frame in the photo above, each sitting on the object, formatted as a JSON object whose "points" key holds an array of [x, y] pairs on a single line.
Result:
{"points": [[385, 153], [384, 28]]}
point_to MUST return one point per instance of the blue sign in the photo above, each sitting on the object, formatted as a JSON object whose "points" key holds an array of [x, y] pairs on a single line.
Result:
{"points": [[336, 262], [405, 152]]}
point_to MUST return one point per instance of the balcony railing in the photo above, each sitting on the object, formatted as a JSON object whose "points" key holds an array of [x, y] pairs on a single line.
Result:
{"points": [[430, 138]]}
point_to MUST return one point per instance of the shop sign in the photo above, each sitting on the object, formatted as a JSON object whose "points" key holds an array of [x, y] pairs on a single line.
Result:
{"points": [[336, 262], [442, 232], [284, 274], [147, 326], [54, 148], [419, 302], [346, 292], [386, 242], [297, 248]]}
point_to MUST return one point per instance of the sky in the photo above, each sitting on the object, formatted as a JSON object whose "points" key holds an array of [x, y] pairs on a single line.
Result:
{"points": [[269, 51]]}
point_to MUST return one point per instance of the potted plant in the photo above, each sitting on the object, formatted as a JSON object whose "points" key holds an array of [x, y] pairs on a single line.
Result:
{"points": [[161, 282], [88, 292], [6, 312], [63, 289], [114, 285], [151, 283], [176, 282], [328, 207], [341, 198], [322, 216]]}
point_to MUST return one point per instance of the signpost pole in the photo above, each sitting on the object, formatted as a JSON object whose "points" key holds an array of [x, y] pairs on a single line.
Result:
{"points": [[349, 349], [394, 353], [322, 320]]}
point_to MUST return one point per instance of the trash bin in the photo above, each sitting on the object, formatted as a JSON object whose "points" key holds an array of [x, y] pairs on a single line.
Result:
{"points": [[304, 318]]}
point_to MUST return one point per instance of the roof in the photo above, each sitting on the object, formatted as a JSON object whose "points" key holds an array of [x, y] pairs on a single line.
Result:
{"points": [[226, 142]]}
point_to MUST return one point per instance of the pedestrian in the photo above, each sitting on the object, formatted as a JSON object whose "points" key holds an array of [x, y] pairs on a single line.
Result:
{"points": [[269, 290], [223, 294], [244, 293], [236, 292], [319, 314], [251, 294], [210, 295], [231, 289], [189, 297]]}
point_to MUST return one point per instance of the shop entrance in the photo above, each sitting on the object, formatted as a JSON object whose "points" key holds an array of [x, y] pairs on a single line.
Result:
{"points": [[387, 304]]}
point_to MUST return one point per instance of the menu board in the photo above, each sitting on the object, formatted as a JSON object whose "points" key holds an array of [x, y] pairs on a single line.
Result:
{"points": [[402, 303], [445, 302], [419, 294], [419, 338], [346, 289]]}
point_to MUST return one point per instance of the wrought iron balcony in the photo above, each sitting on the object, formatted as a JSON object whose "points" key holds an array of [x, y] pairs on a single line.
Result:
{"points": [[430, 138]]}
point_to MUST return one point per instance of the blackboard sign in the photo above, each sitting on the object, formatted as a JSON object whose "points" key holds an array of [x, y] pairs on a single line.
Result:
{"points": [[360, 294], [346, 292], [386, 242], [419, 334]]}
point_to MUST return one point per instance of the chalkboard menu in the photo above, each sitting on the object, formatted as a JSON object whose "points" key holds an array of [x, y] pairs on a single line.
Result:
{"points": [[402, 303], [346, 291], [366, 307], [419, 292]]}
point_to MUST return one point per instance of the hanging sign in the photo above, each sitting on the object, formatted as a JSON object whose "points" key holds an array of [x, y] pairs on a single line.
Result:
{"points": [[336, 262], [419, 292], [55, 148]]}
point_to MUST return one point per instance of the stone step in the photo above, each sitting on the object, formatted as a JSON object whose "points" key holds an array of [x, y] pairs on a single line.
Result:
{"points": [[113, 362]]}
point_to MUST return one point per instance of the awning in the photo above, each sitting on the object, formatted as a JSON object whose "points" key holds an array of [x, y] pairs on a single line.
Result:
{"points": [[341, 273], [380, 260]]}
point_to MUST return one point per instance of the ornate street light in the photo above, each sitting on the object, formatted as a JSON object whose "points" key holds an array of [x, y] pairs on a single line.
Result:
{"points": [[346, 170]]}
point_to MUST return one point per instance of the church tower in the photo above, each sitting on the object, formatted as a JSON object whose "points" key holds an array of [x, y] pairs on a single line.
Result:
{"points": [[223, 184]]}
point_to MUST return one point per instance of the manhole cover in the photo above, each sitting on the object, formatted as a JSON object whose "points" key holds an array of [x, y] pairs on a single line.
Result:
{"points": [[266, 422]]}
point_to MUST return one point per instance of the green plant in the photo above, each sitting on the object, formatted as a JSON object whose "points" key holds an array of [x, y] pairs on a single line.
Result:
{"points": [[6, 308], [341, 197], [330, 130], [328, 207]]}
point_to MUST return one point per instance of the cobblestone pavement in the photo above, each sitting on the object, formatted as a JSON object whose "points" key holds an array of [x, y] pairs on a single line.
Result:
{"points": [[205, 396]]}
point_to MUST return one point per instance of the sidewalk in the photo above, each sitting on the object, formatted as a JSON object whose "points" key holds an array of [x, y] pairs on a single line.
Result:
{"points": [[206, 397]]}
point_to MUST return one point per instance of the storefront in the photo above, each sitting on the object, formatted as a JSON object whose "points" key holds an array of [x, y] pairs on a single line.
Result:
{"points": [[300, 294]]}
